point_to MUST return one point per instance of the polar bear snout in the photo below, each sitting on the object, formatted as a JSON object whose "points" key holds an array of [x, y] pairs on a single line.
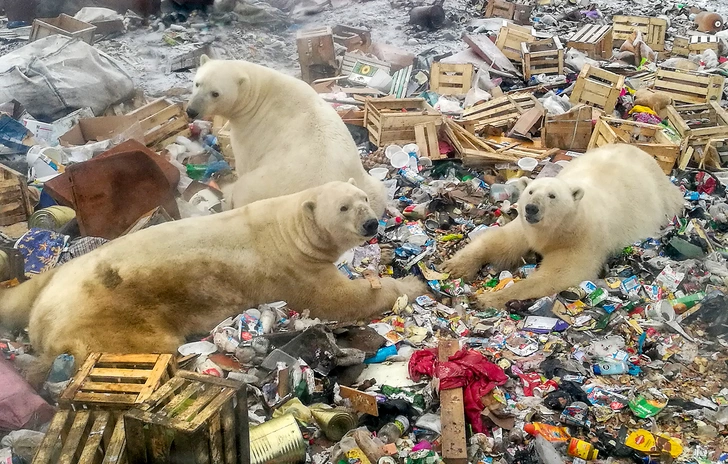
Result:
{"points": [[370, 227], [532, 215], [192, 113]]}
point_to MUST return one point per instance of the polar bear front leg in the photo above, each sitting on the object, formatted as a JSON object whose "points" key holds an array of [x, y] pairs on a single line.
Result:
{"points": [[558, 271], [500, 246]]}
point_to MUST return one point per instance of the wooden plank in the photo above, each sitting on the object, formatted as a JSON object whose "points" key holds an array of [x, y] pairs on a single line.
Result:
{"points": [[80, 377], [161, 117], [101, 422], [452, 413], [105, 398], [488, 51], [112, 373], [90, 386], [112, 358], [149, 109], [71, 450], [51, 439], [361, 401], [164, 362], [116, 449], [165, 130]]}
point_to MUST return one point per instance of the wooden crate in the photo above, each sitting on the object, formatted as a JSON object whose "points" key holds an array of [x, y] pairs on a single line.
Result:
{"points": [[83, 437], [699, 43], [522, 14], [698, 124], [500, 9], [451, 79], [198, 417], [316, 53], [680, 46], [427, 141], [653, 30], [569, 131], [15, 205], [117, 381], [648, 137], [393, 120], [353, 38], [63, 25], [685, 87], [161, 121], [598, 88], [501, 112], [510, 39], [594, 40], [542, 57]]}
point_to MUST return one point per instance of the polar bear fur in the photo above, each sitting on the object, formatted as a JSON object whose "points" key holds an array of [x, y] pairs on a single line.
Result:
{"points": [[285, 137], [147, 291], [601, 202]]}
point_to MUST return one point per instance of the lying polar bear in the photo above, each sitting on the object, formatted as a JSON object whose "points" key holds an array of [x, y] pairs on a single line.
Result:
{"points": [[147, 291], [285, 137], [601, 202]]}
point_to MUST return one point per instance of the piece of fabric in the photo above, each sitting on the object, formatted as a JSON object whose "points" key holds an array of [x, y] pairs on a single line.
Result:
{"points": [[468, 369], [20, 406], [80, 247], [41, 249]]}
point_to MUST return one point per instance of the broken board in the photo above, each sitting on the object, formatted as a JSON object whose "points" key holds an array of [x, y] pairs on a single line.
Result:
{"points": [[452, 413]]}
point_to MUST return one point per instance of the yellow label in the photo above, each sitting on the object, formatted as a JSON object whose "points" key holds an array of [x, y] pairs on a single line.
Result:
{"points": [[356, 453]]}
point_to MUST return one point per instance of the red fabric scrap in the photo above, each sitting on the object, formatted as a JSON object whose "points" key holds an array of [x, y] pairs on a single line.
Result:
{"points": [[466, 368]]}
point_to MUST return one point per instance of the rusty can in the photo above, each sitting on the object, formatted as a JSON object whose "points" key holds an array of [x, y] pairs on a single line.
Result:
{"points": [[335, 423], [51, 218], [278, 441]]}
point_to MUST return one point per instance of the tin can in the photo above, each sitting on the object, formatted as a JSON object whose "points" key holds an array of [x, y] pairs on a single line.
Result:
{"points": [[335, 423], [5, 272], [278, 441], [51, 218]]}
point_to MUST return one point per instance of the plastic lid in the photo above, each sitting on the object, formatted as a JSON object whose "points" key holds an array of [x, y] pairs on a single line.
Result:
{"points": [[597, 370], [530, 429]]}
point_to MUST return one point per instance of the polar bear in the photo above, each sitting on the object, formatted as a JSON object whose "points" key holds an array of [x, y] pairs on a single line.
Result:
{"points": [[601, 202], [285, 137], [147, 291]]}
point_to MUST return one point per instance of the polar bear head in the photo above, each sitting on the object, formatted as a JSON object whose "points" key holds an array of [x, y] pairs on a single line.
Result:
{"points": [[217, 89], [342, 214], [548, 202]]}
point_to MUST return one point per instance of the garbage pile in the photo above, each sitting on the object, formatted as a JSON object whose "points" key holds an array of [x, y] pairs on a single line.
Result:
{"points": [[627, 368]]}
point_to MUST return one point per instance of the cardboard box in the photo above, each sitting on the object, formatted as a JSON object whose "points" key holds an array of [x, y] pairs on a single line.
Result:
{"points": [[40, 130], [118, 128]]}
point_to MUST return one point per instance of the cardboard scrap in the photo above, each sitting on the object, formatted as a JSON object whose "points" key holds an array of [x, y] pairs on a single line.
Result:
{"points": [[360, 401]]}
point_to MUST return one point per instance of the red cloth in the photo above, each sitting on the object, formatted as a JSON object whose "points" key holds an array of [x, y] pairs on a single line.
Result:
{"points": [[466, 368], [20, 405]]}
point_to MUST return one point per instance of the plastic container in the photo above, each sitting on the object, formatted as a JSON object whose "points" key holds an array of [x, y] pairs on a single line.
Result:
{"points": [[392, 149], [547, 453], [393, 430], [610, 367], [582, 449], [399, 159], [527, 163], [551, 433], [379, 173], [503, 192]]}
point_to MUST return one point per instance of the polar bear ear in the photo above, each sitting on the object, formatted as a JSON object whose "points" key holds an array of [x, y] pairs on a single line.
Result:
{"points": [[309, 207], [577, 193], [522, 183], [204, 59], [352, 181]]}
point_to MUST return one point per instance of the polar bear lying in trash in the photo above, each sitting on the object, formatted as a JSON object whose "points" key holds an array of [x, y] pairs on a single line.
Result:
{"points": [[601, 202], [145, 292], [285, 137]]}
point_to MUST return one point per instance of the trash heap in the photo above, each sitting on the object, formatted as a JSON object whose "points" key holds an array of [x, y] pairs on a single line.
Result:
{"points": [[627, 368]]}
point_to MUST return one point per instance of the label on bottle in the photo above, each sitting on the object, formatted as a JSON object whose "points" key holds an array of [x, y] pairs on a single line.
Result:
{"points": [[402, 424]]}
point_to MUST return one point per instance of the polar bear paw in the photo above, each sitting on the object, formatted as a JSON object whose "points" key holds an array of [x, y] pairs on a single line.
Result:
{"points": [[411, 286], [492, 300], [462, 265]]}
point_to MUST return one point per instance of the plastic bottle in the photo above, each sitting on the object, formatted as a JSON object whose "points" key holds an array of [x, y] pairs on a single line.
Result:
{"points": [[62, 368], [547, 453], [503, 192], [393, 430], [551, 433], [582, 449], [610, 367]]}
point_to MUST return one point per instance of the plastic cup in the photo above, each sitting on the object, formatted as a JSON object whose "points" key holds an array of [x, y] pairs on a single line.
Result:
{"points": [[411, 148], [399, 159], [527, 163], [562, 163], [391, 150], [379, 173]]}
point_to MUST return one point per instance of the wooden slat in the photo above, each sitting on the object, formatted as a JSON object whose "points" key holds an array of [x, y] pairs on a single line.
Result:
{"points": [[90, 386], [171, 408], [100, 423], [164, 362], [107, 358], [71, 450], [452, 413], [116, 449], [112, 373], [52, 438], [106, 398]]}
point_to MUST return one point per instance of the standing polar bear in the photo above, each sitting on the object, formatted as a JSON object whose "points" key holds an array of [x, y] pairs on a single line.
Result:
{"points": [[601, 202], [145, 292], [285, 137]]}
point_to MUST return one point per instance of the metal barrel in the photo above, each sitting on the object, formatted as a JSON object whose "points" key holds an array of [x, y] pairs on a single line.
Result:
{"points": [[278, 441], [51, 218]]}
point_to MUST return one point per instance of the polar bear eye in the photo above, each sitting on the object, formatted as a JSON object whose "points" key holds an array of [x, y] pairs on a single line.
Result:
{"points": [[215, 94], [530, 192], [552, 196], [197, 84], [344, 209]]}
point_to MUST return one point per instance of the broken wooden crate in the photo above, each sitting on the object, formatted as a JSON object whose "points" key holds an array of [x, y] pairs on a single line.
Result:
{"points": [[685, 87], [451, 79], [353, 38], [568, 131], [500, 113], [597, 87], [648, 137], [542, 57], [193, 418], [698, 124], [316, 53], [393, 120], [653, 30], [594, 40], [500, 9], [427, 140], [510, 39], [83, 437], [15, 205], [162, 122], [117, 381], [699, 43], [63, 25]]}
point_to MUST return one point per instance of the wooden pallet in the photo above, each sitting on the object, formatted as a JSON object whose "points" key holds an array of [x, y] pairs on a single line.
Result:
{"points": [[501, 112], [427, 141], [393, 120], [698, 124], [686, 87], [15, 205], [653, 30], [648, 137], [196, 417], [117, 381], [594, 40], [451, 79], [510, 39], [83, 437], [162, 122], [500, 9], [598, 88], [699, 43], [569, 131], [542, 57], [316, 53]]}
